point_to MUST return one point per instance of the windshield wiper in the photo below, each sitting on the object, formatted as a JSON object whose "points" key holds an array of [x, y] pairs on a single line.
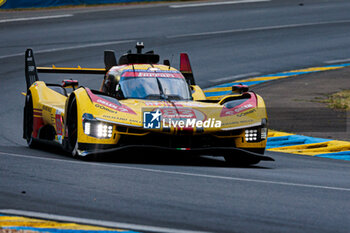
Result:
{"points": [[161, 91]]}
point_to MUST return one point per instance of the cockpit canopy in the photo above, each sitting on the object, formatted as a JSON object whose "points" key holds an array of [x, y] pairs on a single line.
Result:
{"points": [[152, 84]]}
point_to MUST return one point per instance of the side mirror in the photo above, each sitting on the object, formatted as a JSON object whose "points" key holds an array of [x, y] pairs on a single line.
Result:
{"points": [[118, 92], [166, 62], [240, 88], [109, 59], [70, 83]]}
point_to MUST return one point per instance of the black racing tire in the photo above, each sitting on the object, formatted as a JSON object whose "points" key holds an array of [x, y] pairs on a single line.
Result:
{"points": [[28, 122], [241, 159], [72, 127]]}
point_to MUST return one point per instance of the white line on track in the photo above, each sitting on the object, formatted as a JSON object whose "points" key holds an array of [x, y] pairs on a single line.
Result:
{"points": [[35, 18], [259, 28], [69, 48], [184, 173], [95, 222], [234, 77], [337, 61], [216, 3]]}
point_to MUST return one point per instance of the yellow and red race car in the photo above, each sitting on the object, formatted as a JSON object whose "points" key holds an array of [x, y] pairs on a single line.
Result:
{"points": [[142, 105]]}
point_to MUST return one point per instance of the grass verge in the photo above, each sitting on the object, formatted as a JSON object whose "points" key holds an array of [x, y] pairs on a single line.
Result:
{"points": [[339, 100]]}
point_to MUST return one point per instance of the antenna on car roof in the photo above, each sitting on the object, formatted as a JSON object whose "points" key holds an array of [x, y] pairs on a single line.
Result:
{"points": [[139, 47]]}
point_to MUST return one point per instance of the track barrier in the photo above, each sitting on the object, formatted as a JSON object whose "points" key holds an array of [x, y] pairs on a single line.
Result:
{"points": [[20, 4]]}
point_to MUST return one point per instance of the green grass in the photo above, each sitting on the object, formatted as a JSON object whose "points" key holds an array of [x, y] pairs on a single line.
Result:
{"points": [[339, 100]]}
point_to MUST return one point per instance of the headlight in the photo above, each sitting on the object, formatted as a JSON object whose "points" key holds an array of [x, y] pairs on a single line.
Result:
{"points": [[104, 130], [257, 134], [87, 128], [95, 128], [251, 135]]}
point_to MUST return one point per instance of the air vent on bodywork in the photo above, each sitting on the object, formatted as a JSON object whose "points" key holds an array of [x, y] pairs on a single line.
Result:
{"points": [[229, 133], [233, 101], [233, 105], [106, 97], [130, 130]]}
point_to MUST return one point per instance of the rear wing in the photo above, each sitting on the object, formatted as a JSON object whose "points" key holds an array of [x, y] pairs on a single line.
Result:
{"points": [[68, 70], [31, 70]]}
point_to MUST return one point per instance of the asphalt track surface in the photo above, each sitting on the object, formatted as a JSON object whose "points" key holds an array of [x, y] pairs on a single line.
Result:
{"points": [[293, 194]]}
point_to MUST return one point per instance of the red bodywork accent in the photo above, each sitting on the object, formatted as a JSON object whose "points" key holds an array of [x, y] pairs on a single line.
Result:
{"points": [[249, 104], [69, 82], [59, 126], [185, 65], [152, 74], [37, 121], [98, 100]]}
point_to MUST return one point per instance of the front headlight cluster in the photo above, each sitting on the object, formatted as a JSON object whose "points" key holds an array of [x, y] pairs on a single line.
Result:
{"points": [[95, 128], [104, 130], [251, 135], [257, 134]]}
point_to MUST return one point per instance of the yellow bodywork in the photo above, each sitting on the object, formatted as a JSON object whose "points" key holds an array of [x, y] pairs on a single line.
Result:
{"points": [[127, 119]]}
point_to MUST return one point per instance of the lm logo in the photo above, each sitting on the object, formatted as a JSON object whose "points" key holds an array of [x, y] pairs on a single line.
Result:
{"points": [[151, 120]]}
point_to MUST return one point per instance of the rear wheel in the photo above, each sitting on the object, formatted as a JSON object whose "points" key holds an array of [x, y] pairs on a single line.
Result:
{"points": [[28, 121]]}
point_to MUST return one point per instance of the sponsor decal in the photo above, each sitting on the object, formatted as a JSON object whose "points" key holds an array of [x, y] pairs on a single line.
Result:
{"points": [[234, 111], [246, 113], [47, 109], [104, 108], [145, 74], [31, 68], [59, 138], [59, 125], [178, 113], [102, 103], [171, 104]]}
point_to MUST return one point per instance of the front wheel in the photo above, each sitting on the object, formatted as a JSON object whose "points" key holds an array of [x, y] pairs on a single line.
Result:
{"points": [[72, 128]]}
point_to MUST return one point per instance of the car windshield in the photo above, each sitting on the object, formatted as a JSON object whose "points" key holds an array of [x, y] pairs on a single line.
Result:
{"points": [[155, 88]]}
